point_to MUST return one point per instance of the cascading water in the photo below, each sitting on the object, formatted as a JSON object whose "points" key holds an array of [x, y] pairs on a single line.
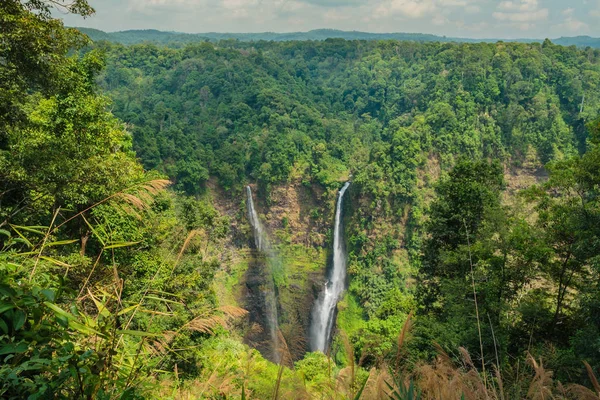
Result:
{"points": [[263, 245], [324, 310], [260, 237]]}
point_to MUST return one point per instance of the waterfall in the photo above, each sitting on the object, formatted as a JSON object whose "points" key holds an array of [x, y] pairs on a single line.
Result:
{"points": [[260, 237], [263, 245], [323, 313]]}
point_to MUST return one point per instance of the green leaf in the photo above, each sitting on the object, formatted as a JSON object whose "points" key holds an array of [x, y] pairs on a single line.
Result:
{"points": [[126, 310], [60, 243], [100, 306], [59, 311], [5, 232], [23, 238], [7, 290], [27, 253], [83, 328], [55, 261], [5, 307], [163, 300], [96, 234], [3, 326], [34, 229], [137, 333], [49, 294], [62, 321], [19, 319], [120, 244], [13, 348], [362, 388]]}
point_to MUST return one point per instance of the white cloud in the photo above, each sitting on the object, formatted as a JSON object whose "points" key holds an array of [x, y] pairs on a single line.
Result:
{"points": [[595, 12], [523, 13], [439, 20], [453, 3], [414, 9], [408, 8], [523, 6], [574, 25], [473, 9], [538, 15]]}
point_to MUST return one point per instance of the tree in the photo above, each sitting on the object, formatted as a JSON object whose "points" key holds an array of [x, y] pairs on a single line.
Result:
{"points": [[33, 49]]}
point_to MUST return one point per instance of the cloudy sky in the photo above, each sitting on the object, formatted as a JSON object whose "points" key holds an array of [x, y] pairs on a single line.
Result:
{"points": [[464, 18]]}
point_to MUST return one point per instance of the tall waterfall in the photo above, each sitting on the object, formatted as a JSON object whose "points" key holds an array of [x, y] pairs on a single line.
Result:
{"points": [[263, 245], [323, 313], [260, 237]]}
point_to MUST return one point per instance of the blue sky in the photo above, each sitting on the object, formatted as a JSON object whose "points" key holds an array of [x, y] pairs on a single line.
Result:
{"points": [[465, 18]]}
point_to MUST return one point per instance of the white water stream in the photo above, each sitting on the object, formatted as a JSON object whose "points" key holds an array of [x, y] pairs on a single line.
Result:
{"points": [[263, 245], [323, 313]]}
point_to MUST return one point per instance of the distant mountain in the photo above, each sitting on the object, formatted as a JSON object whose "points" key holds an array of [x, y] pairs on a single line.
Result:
{"points": [[174, 38], [579, 41]]}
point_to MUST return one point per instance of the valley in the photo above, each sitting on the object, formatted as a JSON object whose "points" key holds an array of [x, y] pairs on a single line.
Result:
{"points": [[310, 215]]}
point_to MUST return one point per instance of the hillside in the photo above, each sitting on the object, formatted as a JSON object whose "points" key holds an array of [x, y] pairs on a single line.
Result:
{"points": [[401, 120]]}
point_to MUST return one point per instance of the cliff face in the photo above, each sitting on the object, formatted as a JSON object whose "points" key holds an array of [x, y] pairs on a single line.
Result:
{"points": [[298, 220]]}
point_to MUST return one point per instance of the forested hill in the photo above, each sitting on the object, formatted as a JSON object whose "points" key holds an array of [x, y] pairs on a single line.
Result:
{"points": [[179, 38], [323, 110], [431, 135]]}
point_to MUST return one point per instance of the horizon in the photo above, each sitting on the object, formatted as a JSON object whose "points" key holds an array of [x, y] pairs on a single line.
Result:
{"points": [[469, 19], [335, 30]]}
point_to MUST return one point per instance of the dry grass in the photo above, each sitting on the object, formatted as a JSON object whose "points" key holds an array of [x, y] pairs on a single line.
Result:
{"points": [[443, 380], [209, 323]]}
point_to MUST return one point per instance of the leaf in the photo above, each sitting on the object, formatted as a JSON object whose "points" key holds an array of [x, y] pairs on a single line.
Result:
{"points": [[27, 253], [19, 319], [120, 244], [362, 388], [100, 306], [156, 312], [137, 333], [59, 311], [13, 348], [166, 293], [163, 300], [126, 310], [60, 243], [93, 230], [55, 261], [3, 326], [23, 238], [83, 328], [5, 232], [49, 294], [62, 321], [34, 228], [7, 290], [5, 307]]}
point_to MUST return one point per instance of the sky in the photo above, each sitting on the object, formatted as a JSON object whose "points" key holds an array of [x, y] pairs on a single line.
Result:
{"points": [[508, 19]]}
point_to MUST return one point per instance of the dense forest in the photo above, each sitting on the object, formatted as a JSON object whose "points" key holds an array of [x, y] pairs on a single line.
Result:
{"points": [[134, 180]]}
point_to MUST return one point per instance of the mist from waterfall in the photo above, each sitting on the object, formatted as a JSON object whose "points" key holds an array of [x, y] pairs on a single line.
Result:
{"points": [[323, 313], [263, 245]]}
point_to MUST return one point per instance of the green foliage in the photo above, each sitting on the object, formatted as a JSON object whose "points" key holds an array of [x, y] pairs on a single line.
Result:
{"points": [[534, 268], [336, 107], [107, 281]]}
